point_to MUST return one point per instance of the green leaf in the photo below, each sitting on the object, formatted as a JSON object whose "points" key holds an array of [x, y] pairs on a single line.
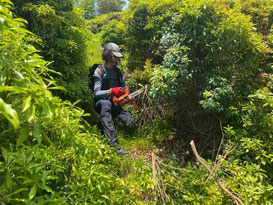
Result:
{"points": [[5, 154], [19, 75], [48, 189], [8, 180], [46, 137], [57, 88], [32, 192], [8, 1], [106, 197], [14, 89], [46, 109], [20, 20], [26, 103], [37, 132], [31, 113], [18, 191], [10, 114], [23, 136]]}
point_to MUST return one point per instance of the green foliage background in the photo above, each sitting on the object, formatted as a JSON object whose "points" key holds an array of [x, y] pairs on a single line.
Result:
{"points": [[206, 68], [108, 6], [62, 39], [48, 153]]}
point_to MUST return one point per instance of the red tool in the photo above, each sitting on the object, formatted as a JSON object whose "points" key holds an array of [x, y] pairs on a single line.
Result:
{"points": [[127, 98]]}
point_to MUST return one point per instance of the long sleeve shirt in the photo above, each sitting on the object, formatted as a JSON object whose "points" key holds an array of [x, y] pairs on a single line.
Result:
{"points": [[99, 94]]}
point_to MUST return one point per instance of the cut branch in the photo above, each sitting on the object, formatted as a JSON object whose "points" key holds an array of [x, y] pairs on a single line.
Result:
{"points": [[235, 198], [219, 162], [156, 173]]}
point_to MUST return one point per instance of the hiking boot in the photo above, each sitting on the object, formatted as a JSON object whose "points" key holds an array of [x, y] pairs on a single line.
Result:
{"points": [[122, 151]]}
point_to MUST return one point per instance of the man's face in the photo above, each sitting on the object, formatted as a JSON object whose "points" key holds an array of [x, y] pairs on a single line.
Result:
{"points": [[115, 60]]}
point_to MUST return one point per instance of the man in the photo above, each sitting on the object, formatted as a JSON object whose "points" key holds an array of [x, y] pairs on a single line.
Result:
{"points": [[109, 82]]}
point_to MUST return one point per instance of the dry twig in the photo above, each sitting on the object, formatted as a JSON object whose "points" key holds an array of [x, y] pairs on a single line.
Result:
{"points": [[235, 198], [217, 164], [172, 167], [156, 171], [149, 108]]}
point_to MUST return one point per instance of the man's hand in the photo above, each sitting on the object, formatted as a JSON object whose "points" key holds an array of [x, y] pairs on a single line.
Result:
{"points": [[117, 91]]}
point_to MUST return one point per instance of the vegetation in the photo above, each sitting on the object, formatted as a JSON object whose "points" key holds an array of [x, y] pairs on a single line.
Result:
{"points": [[206, 71], [48, 153], [62, 39], [88, 7], [108, 6]]}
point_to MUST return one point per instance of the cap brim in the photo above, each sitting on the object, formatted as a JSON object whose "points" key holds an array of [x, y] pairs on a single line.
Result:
{"points": [[118, 54]]}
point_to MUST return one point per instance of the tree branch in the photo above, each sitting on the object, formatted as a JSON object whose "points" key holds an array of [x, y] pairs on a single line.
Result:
{"points": [[235, 198]]}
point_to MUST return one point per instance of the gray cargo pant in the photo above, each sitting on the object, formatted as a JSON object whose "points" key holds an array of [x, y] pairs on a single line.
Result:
{"points": [[108, 111]]}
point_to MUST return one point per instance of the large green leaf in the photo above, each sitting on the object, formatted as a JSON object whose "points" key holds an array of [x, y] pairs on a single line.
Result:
{"points": [[23, 136], [9, 113], [14, 89], [32, 192], [7, 1], [30, 113], [37, 132], [46, 137], [18, 191], [26, 103], [8, 180]]}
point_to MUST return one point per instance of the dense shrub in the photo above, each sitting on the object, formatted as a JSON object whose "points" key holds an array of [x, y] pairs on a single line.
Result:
{"points": [[63, 41], [112, 32], [62, 30], [48, 153], [215, 60], [95, 25]]}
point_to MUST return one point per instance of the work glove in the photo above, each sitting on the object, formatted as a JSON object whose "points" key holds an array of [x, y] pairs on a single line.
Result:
{"points": [[117, 91]]}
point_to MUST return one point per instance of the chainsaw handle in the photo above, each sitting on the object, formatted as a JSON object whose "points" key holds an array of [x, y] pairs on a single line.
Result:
{"points": [[126, 98], [122, 100]]}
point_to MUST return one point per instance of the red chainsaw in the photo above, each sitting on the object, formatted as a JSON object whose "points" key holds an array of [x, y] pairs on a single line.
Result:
{"points": [[127, 98]]}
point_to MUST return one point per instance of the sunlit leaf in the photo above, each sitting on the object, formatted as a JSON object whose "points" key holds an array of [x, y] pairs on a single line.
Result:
{"points": [[57, 88], [26, 103], [32, 192], [10, 114], [48, 189], [18, 191], [23, 136], [31, 113]]}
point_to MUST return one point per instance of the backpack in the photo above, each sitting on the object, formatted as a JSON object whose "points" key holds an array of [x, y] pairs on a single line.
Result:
{"points": [[91, 73]]}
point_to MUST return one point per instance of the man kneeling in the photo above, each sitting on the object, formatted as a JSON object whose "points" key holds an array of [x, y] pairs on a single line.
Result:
{"points": [[109, 82]]}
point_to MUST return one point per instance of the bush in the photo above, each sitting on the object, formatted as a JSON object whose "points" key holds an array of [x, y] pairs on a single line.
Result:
{"points": [[64, 38], [214, 56], [95, 25], [111, 32], [48, 153]]}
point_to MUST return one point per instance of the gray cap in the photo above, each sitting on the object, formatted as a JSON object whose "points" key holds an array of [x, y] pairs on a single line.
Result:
{"points": [[114, 48]]}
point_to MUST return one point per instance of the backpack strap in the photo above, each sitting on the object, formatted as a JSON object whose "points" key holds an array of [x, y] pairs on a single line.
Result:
{"points": [[99, 71], [120, 75]]}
